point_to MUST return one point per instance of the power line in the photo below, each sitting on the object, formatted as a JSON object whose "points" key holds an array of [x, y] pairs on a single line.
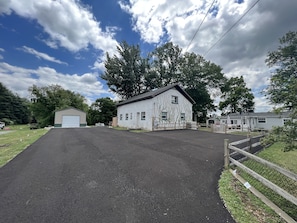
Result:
{"points": [[200, 25], [244, 14]]}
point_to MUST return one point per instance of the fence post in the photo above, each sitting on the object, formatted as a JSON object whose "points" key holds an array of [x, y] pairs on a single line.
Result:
{"points": [[226, 153], [250, 142]]}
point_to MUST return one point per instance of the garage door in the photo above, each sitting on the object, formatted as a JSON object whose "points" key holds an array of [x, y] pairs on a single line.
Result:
{"points": [[70, 121]]}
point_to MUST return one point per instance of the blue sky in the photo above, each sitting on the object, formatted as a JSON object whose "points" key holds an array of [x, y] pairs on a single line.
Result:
{"points": [[64, 41]]}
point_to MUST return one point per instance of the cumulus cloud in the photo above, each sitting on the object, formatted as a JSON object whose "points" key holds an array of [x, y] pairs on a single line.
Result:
{"points": [[77, 28], [86, 84], [40, 55]]}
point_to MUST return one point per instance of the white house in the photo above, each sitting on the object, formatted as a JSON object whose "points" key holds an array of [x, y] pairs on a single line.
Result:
{"points": [[256, 121], [169, 107]]}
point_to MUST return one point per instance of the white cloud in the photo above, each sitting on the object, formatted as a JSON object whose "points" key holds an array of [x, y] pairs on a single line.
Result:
{"points": [[244, 48], [1, 51], [40, 55], [86, 84], [68, 23], [4, 6]]}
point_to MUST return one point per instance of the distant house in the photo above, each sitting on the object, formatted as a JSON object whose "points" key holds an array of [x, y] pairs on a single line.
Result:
{"points": [[70, 118], [169, 107], [256, 121]]}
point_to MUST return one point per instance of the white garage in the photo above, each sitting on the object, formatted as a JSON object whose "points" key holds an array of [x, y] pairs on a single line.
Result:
{"points": [[70, 118]]}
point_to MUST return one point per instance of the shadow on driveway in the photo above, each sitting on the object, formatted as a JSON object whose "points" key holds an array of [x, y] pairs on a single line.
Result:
{"points": [[105, 175]]}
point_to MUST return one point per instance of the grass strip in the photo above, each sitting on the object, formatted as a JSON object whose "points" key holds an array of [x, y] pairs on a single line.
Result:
{"points": [[243, 205], [18, 139]]}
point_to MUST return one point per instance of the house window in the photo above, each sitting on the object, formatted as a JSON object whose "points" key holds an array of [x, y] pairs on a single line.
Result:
{"points": [[286, 120], [131, 116], [127, 116], [182, 116], [164, 115], [261, 120], [142, 115], [233, 122], [174, 100], [121, 116]]}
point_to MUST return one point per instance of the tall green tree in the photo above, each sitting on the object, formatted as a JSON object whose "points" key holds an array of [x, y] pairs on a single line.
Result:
{"points": [[46, 100], [237, 97], [201, 78], [283, 83], [125, 72], [165, 65], [13, 109], [128, 74], [102, 111], [282, 89]]}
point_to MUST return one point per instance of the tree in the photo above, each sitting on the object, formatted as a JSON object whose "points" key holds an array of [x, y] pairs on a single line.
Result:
{"points": [[46, 100], [238, 98], [125, 73], [201, 78], [13, 109], [283, 83], [283, 88], [102, 111], [165, 65], [129, 74]]}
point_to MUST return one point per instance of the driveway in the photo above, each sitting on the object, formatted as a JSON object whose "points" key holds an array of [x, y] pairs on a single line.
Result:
{"points": [[109, 176]]}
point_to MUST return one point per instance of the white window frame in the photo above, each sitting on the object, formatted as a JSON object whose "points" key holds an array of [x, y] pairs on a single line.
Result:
{"points": [[121, 116], [142, 115], [183, 116], [286, 120], [131, 116], [164, 116], [174, 99], [261, 120], [127, 116]]}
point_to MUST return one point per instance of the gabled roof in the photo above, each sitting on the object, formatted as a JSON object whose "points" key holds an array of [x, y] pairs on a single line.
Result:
{"points": [[69, 108], [154, 93]]}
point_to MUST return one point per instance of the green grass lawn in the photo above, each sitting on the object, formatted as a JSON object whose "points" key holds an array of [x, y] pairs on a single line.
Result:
{"points": [[14, 142], [243, 205], [243, 133]]}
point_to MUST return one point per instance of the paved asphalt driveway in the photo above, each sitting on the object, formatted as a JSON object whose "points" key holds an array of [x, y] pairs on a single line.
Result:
{"points": [[109, 176]]}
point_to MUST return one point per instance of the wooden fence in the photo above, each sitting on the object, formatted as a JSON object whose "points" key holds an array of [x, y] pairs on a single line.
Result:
{"points": [[229, 161]]}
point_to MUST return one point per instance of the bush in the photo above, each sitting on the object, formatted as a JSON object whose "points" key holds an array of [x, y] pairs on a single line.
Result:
{"points": [[7, 121]]}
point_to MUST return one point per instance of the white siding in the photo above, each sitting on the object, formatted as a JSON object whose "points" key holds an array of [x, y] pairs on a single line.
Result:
{"points": [[271, 122], [153, 109], [135, 109], [163, 103]]}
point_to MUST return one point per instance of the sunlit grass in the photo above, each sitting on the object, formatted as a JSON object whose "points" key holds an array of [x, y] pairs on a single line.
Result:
{"points": [[16, 140], [242, 204]]}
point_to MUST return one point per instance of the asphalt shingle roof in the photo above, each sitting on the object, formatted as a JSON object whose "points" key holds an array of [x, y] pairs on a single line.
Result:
{"points": [[154, 93]]}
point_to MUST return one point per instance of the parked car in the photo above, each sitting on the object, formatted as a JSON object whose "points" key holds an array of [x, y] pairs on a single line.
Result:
{"points": [[2, 125]]}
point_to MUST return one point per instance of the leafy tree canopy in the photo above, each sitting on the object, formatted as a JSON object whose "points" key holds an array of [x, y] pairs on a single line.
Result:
{"points": [[46, 100], [102, 111], [283, 88], [129, 74], [283, 83], [13, 109], [237, 97], [125, 72]]}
